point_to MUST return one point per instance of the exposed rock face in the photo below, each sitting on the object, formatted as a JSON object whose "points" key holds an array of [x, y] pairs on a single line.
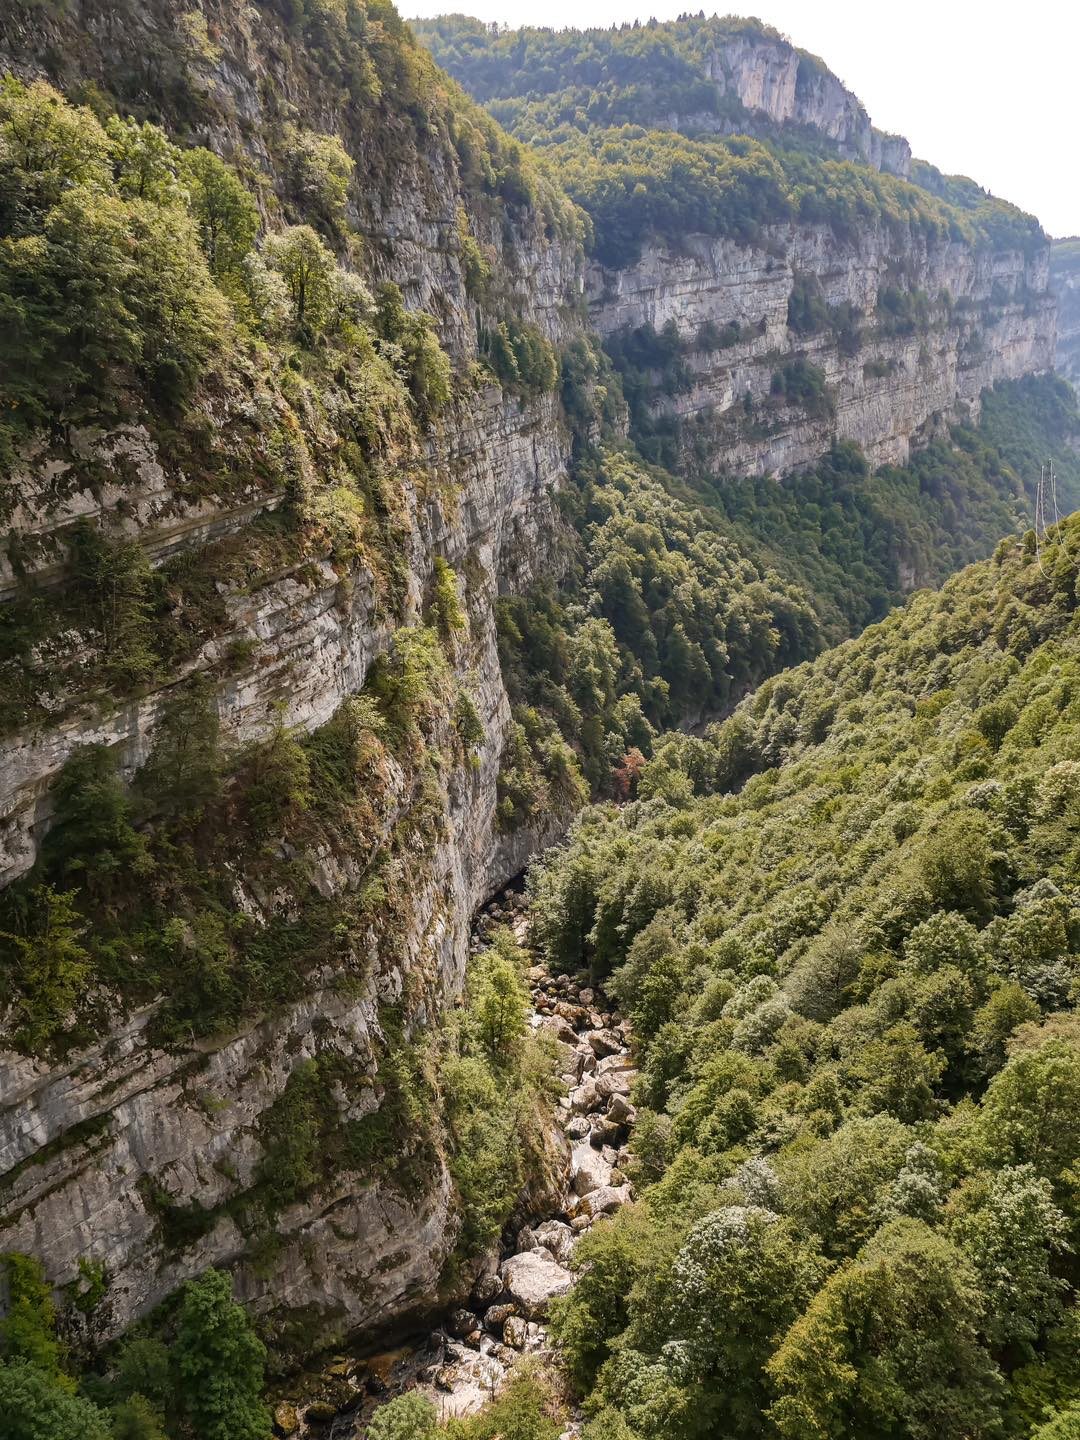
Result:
{"points": [[773, 80], [1065, 282], [986, 317], [181, 1125], [137, 1157]]}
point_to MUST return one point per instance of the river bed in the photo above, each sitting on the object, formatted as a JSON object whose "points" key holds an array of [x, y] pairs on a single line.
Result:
{"points": [[463, 1361]]}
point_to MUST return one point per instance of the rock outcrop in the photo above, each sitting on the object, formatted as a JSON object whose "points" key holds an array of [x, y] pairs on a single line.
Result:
{"points": [[909, 335], [135, 1156], [1065, 282], [788, 88]]}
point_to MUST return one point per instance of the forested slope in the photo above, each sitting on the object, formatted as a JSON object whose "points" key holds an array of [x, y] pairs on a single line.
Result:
{"points": [[845, 926]]}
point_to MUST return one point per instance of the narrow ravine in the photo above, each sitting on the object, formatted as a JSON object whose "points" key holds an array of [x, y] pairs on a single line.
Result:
{"points": [[462, 1363]]}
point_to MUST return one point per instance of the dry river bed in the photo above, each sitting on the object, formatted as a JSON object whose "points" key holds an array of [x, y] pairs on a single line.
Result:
{"points": [[464, 1361]]}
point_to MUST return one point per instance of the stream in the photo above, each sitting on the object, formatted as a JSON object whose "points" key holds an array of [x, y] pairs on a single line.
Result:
{"points": [[463, 1361]]}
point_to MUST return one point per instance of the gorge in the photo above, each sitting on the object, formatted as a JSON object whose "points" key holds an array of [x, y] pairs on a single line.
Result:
{"points": [[400, 451]]}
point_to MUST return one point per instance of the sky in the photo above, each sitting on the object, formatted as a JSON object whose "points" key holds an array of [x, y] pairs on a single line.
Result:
{"points": [[982, 89]]}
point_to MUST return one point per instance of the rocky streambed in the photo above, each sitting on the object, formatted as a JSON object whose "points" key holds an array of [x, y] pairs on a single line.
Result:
{"points": [[464, 1360]]}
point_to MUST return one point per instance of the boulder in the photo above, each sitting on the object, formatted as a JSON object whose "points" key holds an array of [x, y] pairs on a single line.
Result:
{"points": [[575, 1015], [498, 1315], [620, 1110], [605, 1201], [584, 1097], [487, 1288], [615, 1082], [578, 1127], [561, 1029], [320, 1413], [604, 1042], [614, 1063], [533, 1279], [286, 1420], [556, 1237], [588, 1168], [462, 1324], [516, 1332], [603, 1132]]}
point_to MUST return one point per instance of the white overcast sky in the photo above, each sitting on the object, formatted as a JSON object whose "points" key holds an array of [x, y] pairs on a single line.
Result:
{"points": [[985, 89]]}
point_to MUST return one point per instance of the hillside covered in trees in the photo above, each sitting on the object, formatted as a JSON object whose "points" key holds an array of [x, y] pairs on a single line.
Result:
{"points": [[845, 925], [633, 118]]}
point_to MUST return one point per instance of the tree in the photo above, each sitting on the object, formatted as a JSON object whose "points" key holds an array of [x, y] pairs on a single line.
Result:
{"points": [[145, 161], [92, 837], [46, 148], [832, 1186], [136, 1419], [898, 1074], [1030, 1114], [888, 1347], [28, 1327], [34, 1405], [739, 1280], [406, 1417], [1010, 1228], [498, 1000], [319, 171], [425, 365], [1062, 1425], [307, 267], [1008, 1007], [220, 1362], [223, 210], [184, 772], [51, 966]]}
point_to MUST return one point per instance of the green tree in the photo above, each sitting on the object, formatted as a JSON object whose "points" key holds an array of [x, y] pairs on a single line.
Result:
{"points": [[28, 1326], [35, 1406], [220, 1363], [1030, 1114], [741, 1277], [46, 148], [92, 838], [136, 1419], [1062, 1425], [49, 967], [145, 161], [224, 212], [888, 1347], [406, 1417], [498, 1000], [307, 267], [319, 171], [1011, 1230]]}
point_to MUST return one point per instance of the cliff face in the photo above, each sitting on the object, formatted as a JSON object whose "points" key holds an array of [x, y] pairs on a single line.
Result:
{"points": [[905, 335], [137, 1155], [778, 84], [1065, 282]]}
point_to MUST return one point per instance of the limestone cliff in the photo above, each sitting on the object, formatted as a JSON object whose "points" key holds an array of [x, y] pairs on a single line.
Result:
{"points": [[905, 334], [1065, 282], [784, 87], [136, 1154], [715, 76]]}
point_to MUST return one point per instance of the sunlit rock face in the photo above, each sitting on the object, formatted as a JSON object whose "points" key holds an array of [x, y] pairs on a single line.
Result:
{"points": [[984, 316]]}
